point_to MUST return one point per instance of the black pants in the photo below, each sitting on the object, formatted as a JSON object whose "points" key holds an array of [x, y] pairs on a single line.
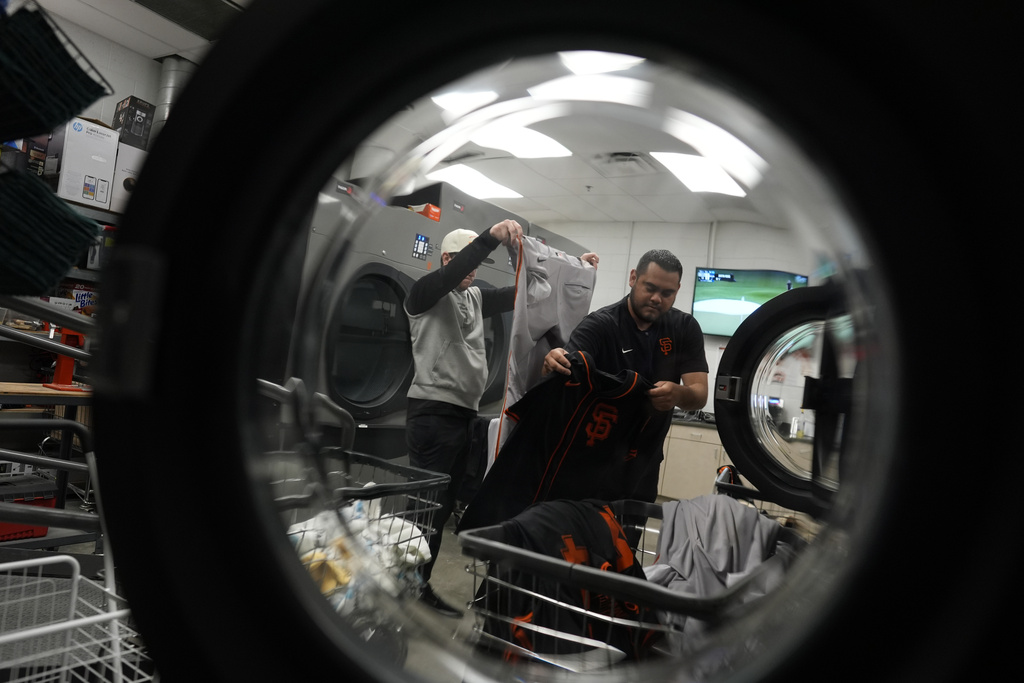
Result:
{"points": [[439, 443]]}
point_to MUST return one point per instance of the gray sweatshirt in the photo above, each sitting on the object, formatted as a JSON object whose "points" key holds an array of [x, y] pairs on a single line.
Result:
{"points": [[447, 329]]}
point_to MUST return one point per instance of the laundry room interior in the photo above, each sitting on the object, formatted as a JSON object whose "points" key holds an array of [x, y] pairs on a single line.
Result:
{"points": [[256, 357]]}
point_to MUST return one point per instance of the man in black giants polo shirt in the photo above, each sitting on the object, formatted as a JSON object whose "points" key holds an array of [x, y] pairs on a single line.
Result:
{"points": [[645, 334]]}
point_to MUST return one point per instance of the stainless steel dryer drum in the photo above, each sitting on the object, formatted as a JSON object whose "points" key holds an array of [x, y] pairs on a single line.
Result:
{"points": [[868, 134]]}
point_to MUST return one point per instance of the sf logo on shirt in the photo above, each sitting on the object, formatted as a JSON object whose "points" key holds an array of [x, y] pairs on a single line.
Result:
{"points": [[600, 426]]}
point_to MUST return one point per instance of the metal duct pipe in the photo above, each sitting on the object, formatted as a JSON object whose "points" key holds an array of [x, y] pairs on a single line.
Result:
{"points": [[174, 74]]}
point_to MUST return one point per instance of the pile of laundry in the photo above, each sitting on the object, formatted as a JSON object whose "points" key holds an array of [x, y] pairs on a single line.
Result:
{"points": [[346, 550]]}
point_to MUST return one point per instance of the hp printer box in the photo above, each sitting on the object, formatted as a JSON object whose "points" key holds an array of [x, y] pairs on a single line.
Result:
{"points": [[133, 119], [84, 162]]}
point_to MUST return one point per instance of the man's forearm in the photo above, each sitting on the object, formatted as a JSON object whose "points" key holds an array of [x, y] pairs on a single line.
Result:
{"points": [[691, 396]]}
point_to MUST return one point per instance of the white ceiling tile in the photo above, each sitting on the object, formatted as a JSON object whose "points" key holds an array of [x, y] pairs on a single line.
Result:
{"points": [[682, 207], [651, 184], [590, 186], [561, 167], [621, 208], [126, 24], [517, 176], [574, 208]]}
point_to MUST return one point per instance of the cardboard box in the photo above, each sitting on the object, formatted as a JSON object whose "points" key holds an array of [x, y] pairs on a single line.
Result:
{"points": [[33, 149], [126, 170], [73, 296], [84, 162], [133, 120], [28, 490]]}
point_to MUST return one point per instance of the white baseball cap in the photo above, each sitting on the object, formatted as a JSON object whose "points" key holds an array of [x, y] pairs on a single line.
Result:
{"points": [[457, 240]]}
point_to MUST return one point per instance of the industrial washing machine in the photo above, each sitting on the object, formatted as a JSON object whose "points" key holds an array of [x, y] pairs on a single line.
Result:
{"points": [[366, 363], [865, 98]]}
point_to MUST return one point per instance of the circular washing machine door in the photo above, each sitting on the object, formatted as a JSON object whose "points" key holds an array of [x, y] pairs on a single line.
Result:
{"points": [[368, 355], [862, 150], [368, 351], [781, 386], [368, 364]]}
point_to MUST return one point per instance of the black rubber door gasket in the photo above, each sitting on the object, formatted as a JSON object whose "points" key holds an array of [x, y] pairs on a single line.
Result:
{"points": [[736, 369], [292, 87]]}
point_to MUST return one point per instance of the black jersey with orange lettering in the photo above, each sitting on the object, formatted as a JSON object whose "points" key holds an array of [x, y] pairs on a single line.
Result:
{"points": [[575, 437], [578, 532]]}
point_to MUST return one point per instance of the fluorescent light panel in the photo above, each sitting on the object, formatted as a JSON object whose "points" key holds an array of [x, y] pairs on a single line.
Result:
{"points": [[595, 88], [459, 103], [699, 174], [717, 144], [582, 62], [523, 143], [473, 182]]}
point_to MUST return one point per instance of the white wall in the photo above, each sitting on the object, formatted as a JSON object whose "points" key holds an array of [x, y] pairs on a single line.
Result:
{"points": [[128, 73], [696, 245]]}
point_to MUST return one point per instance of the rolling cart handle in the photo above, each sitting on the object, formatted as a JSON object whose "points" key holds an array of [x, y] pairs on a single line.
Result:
{"points": [[293, 395], [377, 490], [486, 544], [77, 428]]}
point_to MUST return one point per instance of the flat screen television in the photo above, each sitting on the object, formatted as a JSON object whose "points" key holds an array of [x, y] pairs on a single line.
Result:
{"points": [[724, 297]]}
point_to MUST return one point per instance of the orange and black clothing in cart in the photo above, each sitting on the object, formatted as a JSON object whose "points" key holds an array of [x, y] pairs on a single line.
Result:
{"points": [[579, 532], [671, 347], [575, 437]]}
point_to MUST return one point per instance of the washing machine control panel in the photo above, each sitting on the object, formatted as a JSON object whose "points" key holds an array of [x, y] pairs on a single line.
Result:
{"points": [[422, 248]]}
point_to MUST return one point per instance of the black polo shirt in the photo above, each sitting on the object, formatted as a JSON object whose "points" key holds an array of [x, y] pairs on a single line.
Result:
{"points": [[672, 346]]}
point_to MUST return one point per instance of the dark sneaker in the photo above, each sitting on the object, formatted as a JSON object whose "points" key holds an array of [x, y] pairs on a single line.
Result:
{"points": [[432, 600]]}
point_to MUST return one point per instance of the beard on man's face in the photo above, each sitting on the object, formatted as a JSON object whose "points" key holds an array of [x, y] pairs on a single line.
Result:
{"points": [[646, 312]]}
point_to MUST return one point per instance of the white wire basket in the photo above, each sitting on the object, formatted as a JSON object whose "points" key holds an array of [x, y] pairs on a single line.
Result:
{"points": [[57, 625]]}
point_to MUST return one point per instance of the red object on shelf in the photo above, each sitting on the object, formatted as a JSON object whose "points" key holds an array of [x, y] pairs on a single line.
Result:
{"points": [[429, 210], [64, 372], [67, 387], [26, 490]]}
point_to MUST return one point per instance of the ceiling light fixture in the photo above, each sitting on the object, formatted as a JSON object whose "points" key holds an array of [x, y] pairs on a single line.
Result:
{"points": [[523, 143], [473, 182], [460, 103], [583, 62], [718, 144], [699, 174], [595, 88]]}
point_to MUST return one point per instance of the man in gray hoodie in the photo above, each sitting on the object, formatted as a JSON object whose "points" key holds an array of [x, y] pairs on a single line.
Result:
{"points": [[446, 318]]}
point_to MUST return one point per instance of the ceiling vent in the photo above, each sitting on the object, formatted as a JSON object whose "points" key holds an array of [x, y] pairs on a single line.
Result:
{"points": [[205, 18], [623, 164]]}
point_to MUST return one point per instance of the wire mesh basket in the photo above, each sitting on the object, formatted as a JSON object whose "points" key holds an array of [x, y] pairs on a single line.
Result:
{"points": [[535, 607], [44, 78], [361, 526], [375, 509], [581, 601], [56, 625]]}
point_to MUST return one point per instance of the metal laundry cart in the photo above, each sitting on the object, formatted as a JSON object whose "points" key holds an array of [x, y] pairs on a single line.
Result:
{"points": [[360, 524], [539, 608], [56, 623]]}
